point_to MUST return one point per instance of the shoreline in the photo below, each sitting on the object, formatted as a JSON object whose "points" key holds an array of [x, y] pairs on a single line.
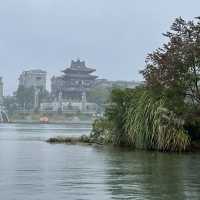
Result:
{"points": [[87, 140], [84, 139], [59, 123]]}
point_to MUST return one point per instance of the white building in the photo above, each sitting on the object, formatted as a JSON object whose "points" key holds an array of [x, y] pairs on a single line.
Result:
{"points": [[68, 106]]}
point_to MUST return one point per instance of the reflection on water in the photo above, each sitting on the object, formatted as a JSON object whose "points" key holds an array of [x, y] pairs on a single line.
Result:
{"points": [[33, 169], [153, 175], [40, 131]]}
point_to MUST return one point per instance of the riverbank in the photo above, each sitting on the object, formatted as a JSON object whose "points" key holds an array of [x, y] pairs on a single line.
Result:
{"points": [[50, 118], [84, 139], [53, 122], [195, 146], [88, 140]]}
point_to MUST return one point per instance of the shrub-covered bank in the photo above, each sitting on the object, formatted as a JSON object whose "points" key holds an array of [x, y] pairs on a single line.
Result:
{"points": [[84, 139], [164, 114], [138, 120]]}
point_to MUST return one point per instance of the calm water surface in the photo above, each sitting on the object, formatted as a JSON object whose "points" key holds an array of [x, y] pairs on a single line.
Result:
{"points": [[31, 169]]}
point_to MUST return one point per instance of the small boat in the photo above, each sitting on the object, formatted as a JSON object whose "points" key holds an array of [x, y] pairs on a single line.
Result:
{"points": [[44, 120]]}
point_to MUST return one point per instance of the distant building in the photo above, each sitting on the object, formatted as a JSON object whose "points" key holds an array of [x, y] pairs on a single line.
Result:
{"points": [[33, 78], [68, 107], [76, 80], [122, 84]]}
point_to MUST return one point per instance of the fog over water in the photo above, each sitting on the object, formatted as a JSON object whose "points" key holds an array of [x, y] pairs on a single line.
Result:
{"points": [[113, 36]]}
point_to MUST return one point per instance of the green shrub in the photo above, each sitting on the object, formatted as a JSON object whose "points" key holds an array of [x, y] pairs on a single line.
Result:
{"points": [[139, 119]]}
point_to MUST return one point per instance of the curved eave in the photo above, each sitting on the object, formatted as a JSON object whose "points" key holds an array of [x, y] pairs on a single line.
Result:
{"points": [[67, 76], [69, 70]]}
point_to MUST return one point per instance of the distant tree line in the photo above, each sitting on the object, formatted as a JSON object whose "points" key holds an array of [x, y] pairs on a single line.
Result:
{"points": [[23, 99]]}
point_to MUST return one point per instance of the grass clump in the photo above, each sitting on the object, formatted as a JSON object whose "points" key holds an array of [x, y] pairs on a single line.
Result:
{"points": [[69, 140]]}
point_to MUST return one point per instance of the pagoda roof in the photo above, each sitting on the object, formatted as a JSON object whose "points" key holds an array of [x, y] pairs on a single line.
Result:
{"points": [[78, 66]]}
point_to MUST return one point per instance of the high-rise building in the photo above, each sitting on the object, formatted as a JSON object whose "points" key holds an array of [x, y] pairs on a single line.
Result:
{"points": [[33, 78]]}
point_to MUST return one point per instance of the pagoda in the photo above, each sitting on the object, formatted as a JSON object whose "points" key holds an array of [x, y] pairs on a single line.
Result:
{"points": [[76, 80]]}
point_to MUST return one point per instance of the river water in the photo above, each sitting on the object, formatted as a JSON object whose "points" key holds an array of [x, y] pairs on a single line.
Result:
{"points": [[31, 169]]}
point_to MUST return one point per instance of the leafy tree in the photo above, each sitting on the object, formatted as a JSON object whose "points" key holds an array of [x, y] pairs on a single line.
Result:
{"points": [[99, 95], [164, 114], [115, 115], [25, 97], [10, 104], [174, 69], [43, 94]]}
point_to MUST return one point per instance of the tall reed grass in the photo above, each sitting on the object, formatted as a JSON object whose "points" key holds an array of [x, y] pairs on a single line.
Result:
{"points": [[150, 125], [138, 119]]}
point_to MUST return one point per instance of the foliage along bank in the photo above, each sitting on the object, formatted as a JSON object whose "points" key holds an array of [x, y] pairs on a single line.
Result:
{"points": [[164, 113]]}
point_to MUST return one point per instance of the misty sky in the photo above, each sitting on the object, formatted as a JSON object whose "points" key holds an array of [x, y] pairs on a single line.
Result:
{"points": [[112, 36]]}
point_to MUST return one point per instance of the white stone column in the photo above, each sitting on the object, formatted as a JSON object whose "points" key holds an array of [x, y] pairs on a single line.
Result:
{"points": [[36, 98], [83, 101], [60, 101]]}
